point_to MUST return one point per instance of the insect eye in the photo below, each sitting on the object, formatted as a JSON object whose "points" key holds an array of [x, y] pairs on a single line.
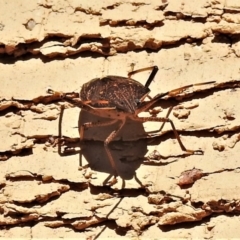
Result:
{"points": [[137, 101]]}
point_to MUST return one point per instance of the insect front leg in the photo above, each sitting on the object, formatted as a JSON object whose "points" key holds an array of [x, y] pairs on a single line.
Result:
{"points": [[107, 141], [87, 125]]}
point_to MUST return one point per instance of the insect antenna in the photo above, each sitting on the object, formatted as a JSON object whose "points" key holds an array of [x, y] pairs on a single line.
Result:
{"points": [[151, 77]]}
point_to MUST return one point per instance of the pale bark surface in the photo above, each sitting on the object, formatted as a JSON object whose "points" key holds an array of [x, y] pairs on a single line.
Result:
{"points": [[64, 44]]}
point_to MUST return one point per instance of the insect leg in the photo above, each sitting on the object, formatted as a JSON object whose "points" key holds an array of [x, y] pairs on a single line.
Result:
{"points": [[111, 136], [173, 93], [181, 89], [61, 141], [94, 124], [158, 119], [168, 113], [60, 131]]}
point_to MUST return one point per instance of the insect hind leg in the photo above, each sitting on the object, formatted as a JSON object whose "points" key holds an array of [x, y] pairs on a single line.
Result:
{"points": [[164, 120]]}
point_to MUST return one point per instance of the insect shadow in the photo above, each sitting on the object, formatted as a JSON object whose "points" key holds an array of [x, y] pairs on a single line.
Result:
{"points": [[128, 151]]}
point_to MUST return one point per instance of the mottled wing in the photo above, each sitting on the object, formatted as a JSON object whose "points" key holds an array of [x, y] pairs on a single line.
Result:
{"points": [[118, 92]]}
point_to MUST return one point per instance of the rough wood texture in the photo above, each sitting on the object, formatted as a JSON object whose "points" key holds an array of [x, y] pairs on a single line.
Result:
{"points": [[64, 44]]}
